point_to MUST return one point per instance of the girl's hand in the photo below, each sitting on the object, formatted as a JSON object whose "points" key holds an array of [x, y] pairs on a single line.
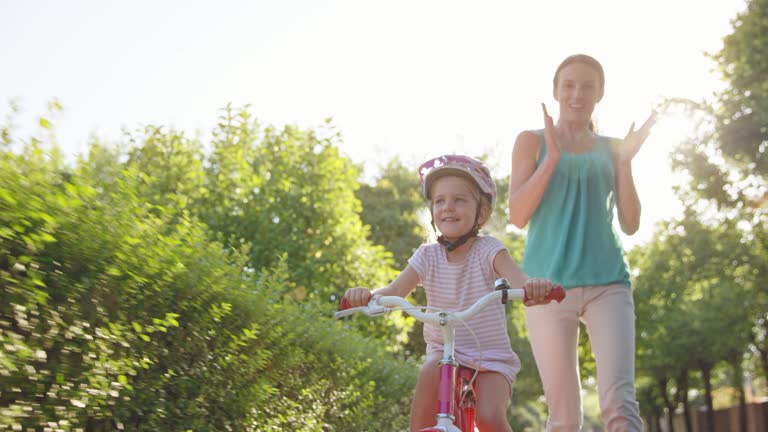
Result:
{"points": [[536, 290], [627, 149], [358, 296], [553, 149]]}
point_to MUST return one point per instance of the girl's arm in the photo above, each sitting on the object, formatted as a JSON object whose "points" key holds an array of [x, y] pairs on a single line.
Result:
{"points": [[403, 284], [507, 268], [536, 289]]}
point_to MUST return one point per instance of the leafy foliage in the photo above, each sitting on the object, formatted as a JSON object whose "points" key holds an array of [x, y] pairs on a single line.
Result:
{"points": [[121, 310], [727, 157], [743, 111], [725, 160], [690, 288], [391, 208]]}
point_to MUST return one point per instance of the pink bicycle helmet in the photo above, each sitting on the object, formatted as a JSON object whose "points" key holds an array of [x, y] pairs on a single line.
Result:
{"points": [[464, 166]]}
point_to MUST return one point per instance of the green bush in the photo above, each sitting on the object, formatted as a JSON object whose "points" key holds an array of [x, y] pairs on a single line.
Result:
{"points": [[118, 311]]}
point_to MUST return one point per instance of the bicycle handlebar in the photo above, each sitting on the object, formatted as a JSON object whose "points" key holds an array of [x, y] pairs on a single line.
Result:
{"points": [[379, 305]]}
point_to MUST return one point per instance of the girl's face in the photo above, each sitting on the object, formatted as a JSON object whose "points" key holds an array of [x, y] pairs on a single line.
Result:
{"points": [[578, 90], [454, 204]]}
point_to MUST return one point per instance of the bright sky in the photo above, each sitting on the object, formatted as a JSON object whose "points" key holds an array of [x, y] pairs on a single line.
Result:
{"points": [[407, 78]]}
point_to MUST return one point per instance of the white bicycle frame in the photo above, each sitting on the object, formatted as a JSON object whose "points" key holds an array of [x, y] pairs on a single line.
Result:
{"points": [[380, 305]]}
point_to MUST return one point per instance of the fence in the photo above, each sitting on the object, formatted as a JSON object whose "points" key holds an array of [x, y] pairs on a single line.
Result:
{"points": [[726, 420]]}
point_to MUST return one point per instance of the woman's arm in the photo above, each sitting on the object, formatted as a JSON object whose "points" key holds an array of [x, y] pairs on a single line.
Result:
{"points": [[627, 200], [527, 184]]}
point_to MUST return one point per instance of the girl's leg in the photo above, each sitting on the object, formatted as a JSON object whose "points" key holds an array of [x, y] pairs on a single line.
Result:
{"points": [[610, 319], [424, 406], [553, 331], [494, 392]]}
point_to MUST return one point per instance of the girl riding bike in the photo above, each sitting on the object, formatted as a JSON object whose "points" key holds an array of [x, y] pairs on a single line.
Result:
{"points": [[455, 272]]}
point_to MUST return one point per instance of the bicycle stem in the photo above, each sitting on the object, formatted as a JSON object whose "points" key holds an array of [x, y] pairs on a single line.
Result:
{"points": [[448, 366]]}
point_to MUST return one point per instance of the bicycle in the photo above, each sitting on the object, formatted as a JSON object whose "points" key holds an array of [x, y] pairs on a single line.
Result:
{"points": [[456, 396]]}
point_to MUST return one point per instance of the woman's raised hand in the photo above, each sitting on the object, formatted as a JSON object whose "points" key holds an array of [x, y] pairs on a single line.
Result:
{"points": [[553, 149], [635, 139]]}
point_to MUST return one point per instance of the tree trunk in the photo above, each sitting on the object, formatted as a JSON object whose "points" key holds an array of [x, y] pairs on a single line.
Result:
{"points": [[667, 403], [706, 376], [763, 349], [682, 398], [738, 383], [649, 422], [764, 361], [687, 415]]}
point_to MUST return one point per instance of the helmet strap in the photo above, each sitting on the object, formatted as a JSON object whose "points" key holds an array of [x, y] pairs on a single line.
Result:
{"points": [[453, 245]]}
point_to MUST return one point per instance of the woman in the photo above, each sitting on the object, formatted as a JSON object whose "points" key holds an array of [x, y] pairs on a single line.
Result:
{"points": [[565, 183]]}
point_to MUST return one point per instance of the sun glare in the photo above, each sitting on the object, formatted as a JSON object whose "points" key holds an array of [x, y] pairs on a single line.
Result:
{"points": [[653, 173]]}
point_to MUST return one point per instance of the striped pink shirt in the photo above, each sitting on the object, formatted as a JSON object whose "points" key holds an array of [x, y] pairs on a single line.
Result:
{"points": [[455, 287]]}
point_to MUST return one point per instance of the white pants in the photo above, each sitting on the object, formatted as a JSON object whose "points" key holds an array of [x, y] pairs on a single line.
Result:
{"points": [[553, 329]]}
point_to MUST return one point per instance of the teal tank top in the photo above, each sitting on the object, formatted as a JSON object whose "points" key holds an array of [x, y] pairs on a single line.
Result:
{"points": [[571, 239]]}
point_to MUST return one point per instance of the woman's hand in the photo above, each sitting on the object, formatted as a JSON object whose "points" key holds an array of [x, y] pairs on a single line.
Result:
{"points": [[553, 149], [536, 290], [358, 296], [627, 149]]}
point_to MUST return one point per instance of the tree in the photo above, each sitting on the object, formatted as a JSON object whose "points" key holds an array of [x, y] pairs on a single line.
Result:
{"points": [[171, 166], [742, 112], [728, 163], [726, 157], [273, 192], [392, 207], [690, 273]]}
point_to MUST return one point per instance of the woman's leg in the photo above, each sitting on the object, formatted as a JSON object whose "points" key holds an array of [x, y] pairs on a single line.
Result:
{"points": [[610, 319], [553, 331], [424, 406], [494, 392]]}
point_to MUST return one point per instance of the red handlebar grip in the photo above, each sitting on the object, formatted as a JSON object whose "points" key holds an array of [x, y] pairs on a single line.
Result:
{"points": [[344, 304], [557, 294]]}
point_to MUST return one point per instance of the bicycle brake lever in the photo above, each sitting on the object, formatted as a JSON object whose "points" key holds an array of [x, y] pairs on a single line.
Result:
{"points": [[372, 309], [349, 311]]}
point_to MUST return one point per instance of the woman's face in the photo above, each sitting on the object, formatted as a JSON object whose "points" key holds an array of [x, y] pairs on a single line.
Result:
{"points": [[578, 90]]}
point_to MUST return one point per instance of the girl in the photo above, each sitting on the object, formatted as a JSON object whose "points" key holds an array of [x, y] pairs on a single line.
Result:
{"points": [[455, 272]]}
